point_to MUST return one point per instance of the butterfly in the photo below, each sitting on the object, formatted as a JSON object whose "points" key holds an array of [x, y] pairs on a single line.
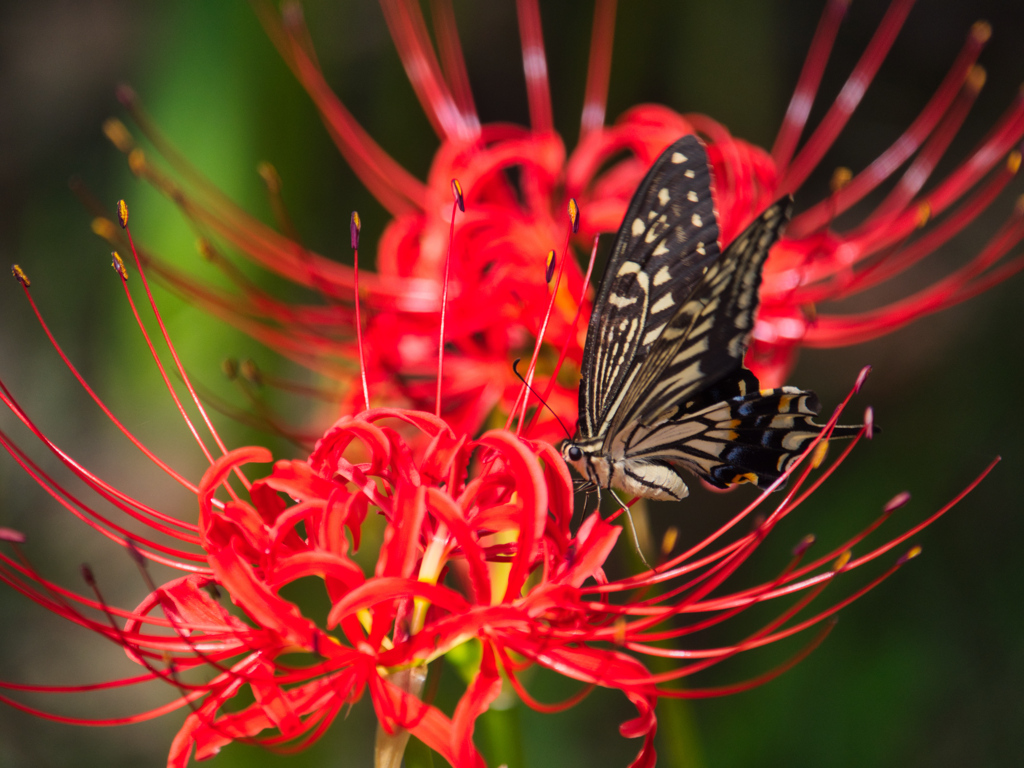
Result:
{"points": [[663, 386]]}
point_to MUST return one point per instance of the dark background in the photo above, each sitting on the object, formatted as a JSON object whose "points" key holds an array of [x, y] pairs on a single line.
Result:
{"points": [[926, 670]]}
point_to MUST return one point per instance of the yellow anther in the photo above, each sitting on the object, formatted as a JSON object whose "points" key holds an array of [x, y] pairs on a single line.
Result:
{"points": [[913, 552], [1013, 161], [924, 213], [104, 228], [355, 226], [820, 452], [118, 135], [805, 543], [206, 249], [841, 176], [619, 637], [251, 372], [981, 31], [457, 191], [668, 541], [20, 275], [270, 176], [122, 213], [118, 264], [549, 266], [229, 367], [842, 560], [137, 161], [574, 215], [976, 78]]}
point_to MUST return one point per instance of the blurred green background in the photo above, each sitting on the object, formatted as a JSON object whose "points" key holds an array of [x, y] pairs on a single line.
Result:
{"points": [[928, 670]]}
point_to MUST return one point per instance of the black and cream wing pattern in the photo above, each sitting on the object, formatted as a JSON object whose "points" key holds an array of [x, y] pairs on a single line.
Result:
{"points": [[663, 384]]}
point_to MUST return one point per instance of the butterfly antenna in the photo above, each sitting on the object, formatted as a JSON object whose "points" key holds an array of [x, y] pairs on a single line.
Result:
{"points": [[542, 401]]}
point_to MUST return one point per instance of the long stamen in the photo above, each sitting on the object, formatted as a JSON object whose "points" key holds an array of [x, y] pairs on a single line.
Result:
{"points": [[848, 100], [355, 225], [535, 65], [122, 215], [599, 67], [458, 204], [571, 335], [524, 393], [808, 82], [25, 283]]}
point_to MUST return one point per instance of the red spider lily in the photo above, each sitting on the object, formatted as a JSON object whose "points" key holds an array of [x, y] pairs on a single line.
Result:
{"points": [[478, 547], [499, 246]]}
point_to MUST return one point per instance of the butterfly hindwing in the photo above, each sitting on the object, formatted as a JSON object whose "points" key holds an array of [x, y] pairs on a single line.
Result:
{"points": [[668, 237], [752, 438]]}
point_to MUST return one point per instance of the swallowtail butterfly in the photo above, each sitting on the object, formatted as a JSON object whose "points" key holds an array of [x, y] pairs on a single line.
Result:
{"points": [[663, 383]]}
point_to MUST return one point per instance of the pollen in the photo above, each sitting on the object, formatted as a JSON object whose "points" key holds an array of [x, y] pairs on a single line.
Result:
{"points": [[1013, 161], [206, 249], [122, 213], [842, 561], [668, 541], [270, 177], [574, 215], [104, 227], [20, 275], [118, 135], [976, 78], [981, 31], [118, 264], [355, 225], [457, 192], [924, 213], [820, 452], [841, 176], [137, 161]]}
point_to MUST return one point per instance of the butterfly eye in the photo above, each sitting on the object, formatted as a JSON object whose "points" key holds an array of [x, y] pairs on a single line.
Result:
{"points": [[574, 453]]}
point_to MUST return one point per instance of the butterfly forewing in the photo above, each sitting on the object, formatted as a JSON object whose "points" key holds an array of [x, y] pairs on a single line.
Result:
{"points": [[668, 237], [706, 338], [663, 383]]}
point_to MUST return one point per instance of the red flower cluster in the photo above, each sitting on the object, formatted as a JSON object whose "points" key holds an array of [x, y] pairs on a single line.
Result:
{"points": [[478, 547], [500, 244], [479, 544]]}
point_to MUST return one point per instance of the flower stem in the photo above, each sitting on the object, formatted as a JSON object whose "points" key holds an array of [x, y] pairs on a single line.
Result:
{"points": [[390, 747]]}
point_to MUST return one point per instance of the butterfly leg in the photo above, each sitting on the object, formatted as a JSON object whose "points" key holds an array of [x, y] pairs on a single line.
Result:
{"points": [[632, 528]]}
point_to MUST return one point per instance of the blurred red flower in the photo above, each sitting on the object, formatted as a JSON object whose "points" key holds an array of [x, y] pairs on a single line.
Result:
{"points": [[478, 547], [518, 181]]}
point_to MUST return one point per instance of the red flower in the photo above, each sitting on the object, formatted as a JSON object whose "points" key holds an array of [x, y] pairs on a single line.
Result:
{"points": [[478, 547], [500, 243]]}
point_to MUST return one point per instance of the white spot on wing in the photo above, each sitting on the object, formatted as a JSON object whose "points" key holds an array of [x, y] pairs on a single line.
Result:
{"points": [[689, 174], [652, 335], [621, 301], [663, 303], [678, 157], [697, 222], [691, 196], [638, 227], [664, 196], [662, 276]]}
